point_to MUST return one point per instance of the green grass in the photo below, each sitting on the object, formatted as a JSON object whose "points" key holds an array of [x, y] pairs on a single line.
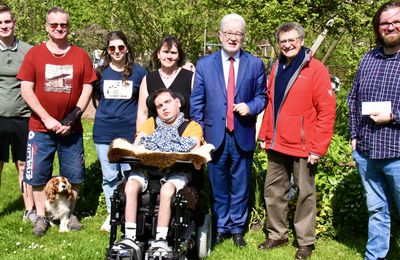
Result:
{"points": [[17, 241]]}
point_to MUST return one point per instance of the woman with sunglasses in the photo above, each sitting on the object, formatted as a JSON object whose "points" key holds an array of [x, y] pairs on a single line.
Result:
{"points": [[170, 58], [117, 91]]}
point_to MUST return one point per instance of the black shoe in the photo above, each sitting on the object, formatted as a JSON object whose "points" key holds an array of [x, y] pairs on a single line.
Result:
{"points": [[304, 252], [220, 237], [238, 240], [270, 244]]}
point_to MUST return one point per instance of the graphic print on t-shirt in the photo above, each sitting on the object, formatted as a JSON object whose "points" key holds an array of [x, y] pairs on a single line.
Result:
{"points": [[116, 89], [58, 78]]}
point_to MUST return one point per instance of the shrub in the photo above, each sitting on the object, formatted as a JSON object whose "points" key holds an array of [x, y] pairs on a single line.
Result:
{"points": [[256, 200], [340, 195], [342, 114]]}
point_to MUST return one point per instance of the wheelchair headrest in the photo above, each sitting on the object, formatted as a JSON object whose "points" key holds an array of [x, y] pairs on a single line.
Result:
{"points": [[152, 107]]}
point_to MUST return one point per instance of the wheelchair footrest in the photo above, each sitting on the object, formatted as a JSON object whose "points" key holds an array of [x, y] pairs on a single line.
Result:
{"points": [[126, 249]]}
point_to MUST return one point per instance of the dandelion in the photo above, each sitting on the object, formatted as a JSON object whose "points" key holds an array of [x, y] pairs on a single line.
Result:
{"points": [[32, 246]]}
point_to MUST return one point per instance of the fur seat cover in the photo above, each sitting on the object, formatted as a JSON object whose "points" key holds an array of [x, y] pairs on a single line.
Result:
{"points": [[121, 148]]}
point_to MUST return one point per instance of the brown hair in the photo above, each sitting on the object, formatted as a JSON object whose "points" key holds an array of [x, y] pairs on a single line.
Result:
{"points": [[5, 9], [287, 27], [170, 41], [117, 35], [377, 19], [150, 101]]}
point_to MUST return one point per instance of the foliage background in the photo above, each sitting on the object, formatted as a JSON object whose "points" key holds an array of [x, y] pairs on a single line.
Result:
{"points": [[146, 21]]}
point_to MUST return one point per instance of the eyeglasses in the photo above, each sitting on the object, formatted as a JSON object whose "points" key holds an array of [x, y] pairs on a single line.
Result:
{"points": [[6, 22], [54, 26], [230, 34], [291, 40], [386, 25], [112, 49]]}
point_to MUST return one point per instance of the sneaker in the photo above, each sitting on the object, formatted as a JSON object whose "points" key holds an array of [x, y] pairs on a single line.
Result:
{"points": [[129, 247], [30, 215], [41, 225], [160, 248], [106, 227], [74, 223]]}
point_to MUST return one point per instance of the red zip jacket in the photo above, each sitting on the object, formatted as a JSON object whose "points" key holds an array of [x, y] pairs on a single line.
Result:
{"points": [[305, 119]]}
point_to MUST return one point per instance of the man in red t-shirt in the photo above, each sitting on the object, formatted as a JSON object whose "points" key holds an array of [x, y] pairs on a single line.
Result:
{"points": [[56, 84]]}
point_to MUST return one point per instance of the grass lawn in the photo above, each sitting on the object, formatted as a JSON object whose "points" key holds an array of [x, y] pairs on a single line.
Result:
{"points": [[17, 241]]}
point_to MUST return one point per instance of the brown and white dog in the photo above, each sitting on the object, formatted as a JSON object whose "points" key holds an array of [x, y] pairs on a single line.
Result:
{"points": [[58, 201]]}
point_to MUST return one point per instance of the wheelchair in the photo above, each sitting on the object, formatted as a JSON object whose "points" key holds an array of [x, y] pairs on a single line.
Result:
{"points": [[189, 232]]}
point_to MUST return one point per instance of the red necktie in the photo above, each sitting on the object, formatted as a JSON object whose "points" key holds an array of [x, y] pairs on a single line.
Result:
{"points": [[230, 94]]}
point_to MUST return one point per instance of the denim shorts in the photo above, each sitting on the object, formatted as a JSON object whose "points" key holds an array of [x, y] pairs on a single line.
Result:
{"points": [[40, 153]]}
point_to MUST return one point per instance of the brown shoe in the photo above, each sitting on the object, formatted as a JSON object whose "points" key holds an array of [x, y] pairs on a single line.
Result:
{"points": [[270, 243], [304, 252]]}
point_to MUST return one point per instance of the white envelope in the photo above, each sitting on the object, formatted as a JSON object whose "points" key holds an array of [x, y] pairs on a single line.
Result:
{"points": [[385, 107]]}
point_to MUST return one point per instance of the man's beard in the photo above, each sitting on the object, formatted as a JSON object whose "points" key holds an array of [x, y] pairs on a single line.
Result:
{"points": [[390, 41]]}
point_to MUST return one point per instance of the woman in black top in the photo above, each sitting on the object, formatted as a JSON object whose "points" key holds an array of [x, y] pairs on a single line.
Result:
{"points": [[170, 59]]}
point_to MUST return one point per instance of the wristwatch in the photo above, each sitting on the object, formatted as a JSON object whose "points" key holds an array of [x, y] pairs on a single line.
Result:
{"points": [[392, 118]]}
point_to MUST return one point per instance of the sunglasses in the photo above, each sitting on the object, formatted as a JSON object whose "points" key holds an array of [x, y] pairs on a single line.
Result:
{"points": [[54, 26], [121, 48]]}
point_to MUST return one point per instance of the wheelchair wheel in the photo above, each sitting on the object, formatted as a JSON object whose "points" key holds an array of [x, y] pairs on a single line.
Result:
{"points": [[204, 238]]}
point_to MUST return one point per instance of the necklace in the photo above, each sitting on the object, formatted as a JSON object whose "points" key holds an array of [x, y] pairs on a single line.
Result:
{"points": [[166, 77], [116, 68], [59, 55]]}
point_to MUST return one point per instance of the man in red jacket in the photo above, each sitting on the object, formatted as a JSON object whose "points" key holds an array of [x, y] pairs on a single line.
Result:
{"points": [[296, 131]]}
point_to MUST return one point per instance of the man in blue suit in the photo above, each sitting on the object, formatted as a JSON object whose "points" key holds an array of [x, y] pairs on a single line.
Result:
{"points": [[229, 92]]}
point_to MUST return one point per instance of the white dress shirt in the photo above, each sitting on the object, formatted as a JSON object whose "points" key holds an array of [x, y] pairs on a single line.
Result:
{"points": [[226, 63]]}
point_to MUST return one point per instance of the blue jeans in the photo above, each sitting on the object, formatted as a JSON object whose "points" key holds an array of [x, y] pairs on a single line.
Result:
{"points": [[381, 181], [110, 172]]}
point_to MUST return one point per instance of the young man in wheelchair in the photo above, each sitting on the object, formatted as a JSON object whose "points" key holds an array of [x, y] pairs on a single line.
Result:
{"points": [[161, 134]]}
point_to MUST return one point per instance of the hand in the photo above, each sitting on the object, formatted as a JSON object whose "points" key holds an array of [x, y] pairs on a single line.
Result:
{"points": [[262, 144], [380, 118], [51, 124], [353, 144], [64, 130], [313, 159], [241, 108]]}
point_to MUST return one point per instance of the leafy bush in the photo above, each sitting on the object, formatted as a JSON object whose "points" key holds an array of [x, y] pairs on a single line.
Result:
{"points": [[340, 195], [256, 200], [342, 114]]}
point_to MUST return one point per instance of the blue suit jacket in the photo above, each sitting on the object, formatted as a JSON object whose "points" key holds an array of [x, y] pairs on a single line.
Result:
{"points": [[208, 102]]}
